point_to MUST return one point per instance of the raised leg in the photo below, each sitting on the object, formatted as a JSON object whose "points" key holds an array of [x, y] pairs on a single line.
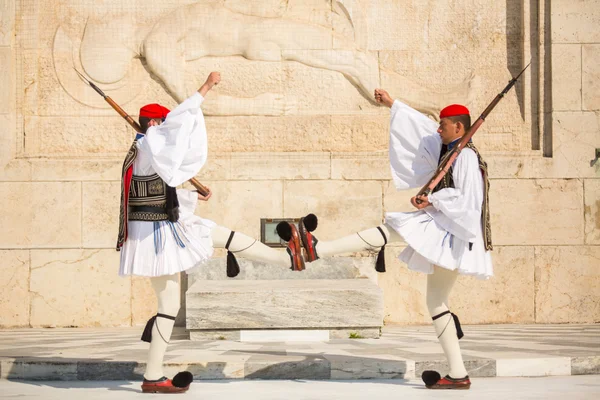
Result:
{"points": [[244, 246], [370, 239]]}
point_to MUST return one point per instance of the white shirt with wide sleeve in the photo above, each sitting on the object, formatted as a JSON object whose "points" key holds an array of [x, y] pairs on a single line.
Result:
{"points": [[176, 150], [448, 233]]}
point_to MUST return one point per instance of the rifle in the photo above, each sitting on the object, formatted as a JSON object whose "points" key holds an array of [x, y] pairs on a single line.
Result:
{"points": [[449, 158], [203, 190]]}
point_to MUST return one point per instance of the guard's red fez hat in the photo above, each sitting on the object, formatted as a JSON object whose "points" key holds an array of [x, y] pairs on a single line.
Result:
{"points": [[154, 111], [453, 110]]}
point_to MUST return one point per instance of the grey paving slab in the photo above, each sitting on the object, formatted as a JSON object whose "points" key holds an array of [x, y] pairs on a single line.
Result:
{"points": [[401, 352]]}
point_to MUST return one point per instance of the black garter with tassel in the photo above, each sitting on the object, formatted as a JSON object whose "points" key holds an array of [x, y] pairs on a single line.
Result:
{"points": [[233, 268], [147, 334], [459, 331], [380, 263]]}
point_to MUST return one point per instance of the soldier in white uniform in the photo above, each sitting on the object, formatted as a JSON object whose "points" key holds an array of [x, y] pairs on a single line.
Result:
{"points": [[159, 235], [449, 234]]}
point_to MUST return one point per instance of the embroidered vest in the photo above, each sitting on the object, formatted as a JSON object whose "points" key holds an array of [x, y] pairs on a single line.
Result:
{"points": [[144, 198], [448, 182], [147, 199]]}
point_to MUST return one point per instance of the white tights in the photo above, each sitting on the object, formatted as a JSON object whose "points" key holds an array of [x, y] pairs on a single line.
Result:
{"points": [[439, 285], [167, 291]]}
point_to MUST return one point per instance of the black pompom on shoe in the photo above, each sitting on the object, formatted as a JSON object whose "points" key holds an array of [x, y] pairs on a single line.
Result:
{"points": [[310, 222], [284, 231], [182, 379], [430, 377]]}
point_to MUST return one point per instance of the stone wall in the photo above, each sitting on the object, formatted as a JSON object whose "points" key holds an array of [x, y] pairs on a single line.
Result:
{"points": [[288, 138]]}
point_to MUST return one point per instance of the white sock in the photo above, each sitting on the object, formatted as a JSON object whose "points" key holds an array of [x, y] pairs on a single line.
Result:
{"points": [[370, 239], [167, 294], [439, 285], [244, 246]]}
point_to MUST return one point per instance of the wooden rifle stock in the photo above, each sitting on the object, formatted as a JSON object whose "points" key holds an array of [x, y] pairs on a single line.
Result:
{"points": [[451, 156], [203, 190]]}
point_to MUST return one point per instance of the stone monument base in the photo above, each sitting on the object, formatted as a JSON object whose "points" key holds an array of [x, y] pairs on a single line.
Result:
{"points": [[284, 310]]}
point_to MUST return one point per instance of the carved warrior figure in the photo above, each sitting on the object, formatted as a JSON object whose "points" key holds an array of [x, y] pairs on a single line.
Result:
{"points": [[208, 29], [159, 234], [448, 235]]}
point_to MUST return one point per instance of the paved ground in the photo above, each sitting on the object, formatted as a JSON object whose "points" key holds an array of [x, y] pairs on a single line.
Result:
{"points": [[401, 352], [549, 388]]}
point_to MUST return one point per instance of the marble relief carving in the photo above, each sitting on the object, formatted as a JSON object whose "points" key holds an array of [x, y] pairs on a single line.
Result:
{"points": [[116, 54]]}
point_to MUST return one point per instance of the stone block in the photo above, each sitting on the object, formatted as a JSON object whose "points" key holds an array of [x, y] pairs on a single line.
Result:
{"points": [[387, 367], [76, 170], [403, 291], [14, 291], [6, 78], [292, 166], [397, 200], [239, 205], [270, 134], [543, 366], [506, 298], [591, 188], [16, 170], [100, 214], [567, 284], [329, 268], [7, 135], [518, 217], [143, 300], [575, 21], [78, 288], [337, 204], [42, 214], [373, 165], [313, 368], [591, 76], [36, 370], [587, 365], [566, 77], [217, 167], [7, 22], [106, 370], [575, 137], [362, 133], [315, 303], [91, 137]]}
